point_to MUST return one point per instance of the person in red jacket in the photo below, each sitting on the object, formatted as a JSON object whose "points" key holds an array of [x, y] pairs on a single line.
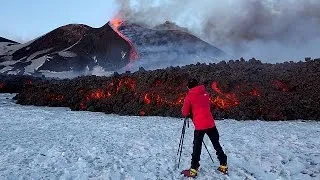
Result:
{"points": [[197, 106]]}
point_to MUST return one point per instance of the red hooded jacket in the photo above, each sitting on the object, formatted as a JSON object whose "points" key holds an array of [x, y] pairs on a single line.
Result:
{"points": [[197, 104]]}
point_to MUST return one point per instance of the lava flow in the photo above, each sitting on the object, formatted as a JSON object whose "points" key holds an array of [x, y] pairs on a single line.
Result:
{"points": [[116, 24], [223, 100], [162, 101], [127, 84]]}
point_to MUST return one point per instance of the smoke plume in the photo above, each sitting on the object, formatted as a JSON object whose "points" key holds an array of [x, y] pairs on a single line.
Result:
{"points": [[273, 30]]}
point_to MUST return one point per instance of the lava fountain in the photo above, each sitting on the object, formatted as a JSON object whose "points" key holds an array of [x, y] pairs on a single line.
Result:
{"points": [[115, 24]]}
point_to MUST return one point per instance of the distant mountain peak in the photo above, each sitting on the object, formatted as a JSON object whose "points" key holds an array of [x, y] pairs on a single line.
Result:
{"points": [[168, 25], [7, 40]]}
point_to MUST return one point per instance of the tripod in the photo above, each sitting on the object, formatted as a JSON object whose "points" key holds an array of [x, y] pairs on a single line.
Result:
{"points": [[182, 138], [185, 122]]}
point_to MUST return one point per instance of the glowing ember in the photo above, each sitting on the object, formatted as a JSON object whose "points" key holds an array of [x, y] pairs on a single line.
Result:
{"points": [[280, 85], [180, 99], [223, 100], [98, 94], [142, 113], [255, 92], [146, 99], [221, 103], [214, 86], [126, 82], [224, 103], [112, 89], [161, 101], [1, 85]]}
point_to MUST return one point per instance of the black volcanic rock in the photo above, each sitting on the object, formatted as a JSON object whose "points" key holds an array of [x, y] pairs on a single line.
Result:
{"points": [[56, 40], [16, 83], [99, 46], [239, 90]]}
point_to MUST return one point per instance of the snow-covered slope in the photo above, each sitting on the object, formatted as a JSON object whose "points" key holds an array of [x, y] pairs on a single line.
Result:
{"points": [[56, 143], [6, 47], [8, 40]]}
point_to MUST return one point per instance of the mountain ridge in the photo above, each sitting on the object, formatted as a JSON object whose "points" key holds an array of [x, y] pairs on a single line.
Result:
{"points": [[78, 49]]}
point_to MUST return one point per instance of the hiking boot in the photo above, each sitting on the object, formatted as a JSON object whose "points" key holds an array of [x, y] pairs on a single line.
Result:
{"points": [[190, 172], [223, 169]]}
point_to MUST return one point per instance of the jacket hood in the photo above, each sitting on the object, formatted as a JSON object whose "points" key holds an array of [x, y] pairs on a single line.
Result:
{"points": [[198, 90]]}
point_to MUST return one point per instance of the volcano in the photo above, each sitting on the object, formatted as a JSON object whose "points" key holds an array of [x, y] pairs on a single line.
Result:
{"points": [[70, 50], [168, 45], [77, 50]]}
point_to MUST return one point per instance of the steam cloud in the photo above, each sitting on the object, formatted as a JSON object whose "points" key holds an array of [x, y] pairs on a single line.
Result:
{"points": [[274, 30]]}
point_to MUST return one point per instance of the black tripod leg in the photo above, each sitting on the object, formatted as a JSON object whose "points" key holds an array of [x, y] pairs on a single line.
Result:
{"points": [[181, 140]]}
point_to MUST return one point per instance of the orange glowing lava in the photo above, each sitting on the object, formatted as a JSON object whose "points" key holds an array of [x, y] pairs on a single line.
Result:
{"points": [[223, 100], [146, 99], [162, 100], [126, 82], [116, 24], [214, 86], [97, 94], [255, 92], [111, 89]]}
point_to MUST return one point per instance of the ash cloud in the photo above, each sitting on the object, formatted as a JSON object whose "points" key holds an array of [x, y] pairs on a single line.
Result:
{"points": [[272, 30]]}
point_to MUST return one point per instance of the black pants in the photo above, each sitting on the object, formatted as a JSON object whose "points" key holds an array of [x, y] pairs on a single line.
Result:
{"points": [[197, 145]]}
